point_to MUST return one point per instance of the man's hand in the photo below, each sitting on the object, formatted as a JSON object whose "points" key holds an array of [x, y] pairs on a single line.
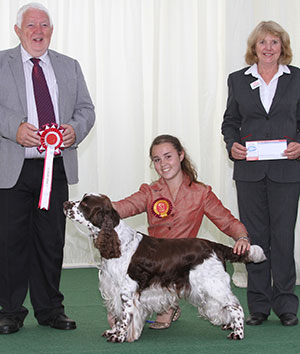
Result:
{"points": [[27, 135], [69, 135]]}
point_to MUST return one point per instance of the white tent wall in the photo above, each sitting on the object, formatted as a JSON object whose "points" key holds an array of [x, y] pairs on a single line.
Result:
{"points": [[153, 67]]}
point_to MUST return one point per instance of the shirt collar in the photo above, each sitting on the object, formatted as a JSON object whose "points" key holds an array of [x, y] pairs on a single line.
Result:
{"points": [[282, 69], [26, 56]]}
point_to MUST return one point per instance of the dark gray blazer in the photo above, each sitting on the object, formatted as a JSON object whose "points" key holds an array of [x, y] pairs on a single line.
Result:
{"points": [[246, 119], [75, 108]]}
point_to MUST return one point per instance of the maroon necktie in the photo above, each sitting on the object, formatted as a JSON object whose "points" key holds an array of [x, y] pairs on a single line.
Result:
{"points": [[42, 96]]}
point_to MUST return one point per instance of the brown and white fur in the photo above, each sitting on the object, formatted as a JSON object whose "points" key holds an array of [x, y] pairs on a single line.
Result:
{"points": [[140, 274]]}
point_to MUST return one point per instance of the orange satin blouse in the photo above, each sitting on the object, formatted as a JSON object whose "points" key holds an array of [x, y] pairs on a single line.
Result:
{"points": [[180, 218]]}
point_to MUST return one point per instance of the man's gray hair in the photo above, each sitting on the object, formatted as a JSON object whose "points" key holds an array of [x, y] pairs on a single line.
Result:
{"points": [[31, 5]]}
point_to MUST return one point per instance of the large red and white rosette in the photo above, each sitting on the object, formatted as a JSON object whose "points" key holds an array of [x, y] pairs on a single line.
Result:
{"points": [[52, 143]]}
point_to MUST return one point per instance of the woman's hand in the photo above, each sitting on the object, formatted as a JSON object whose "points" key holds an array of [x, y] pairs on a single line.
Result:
{"points": [[242, 245], [293, 151], [238, 151]]}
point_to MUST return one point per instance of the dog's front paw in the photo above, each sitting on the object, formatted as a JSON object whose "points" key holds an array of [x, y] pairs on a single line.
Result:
{"points": [[114, 336], [235, 336], [108, 333], [226, 327]]}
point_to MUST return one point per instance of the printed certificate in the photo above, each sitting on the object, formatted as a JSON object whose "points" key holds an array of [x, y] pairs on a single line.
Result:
{"points": [[266, 150]]}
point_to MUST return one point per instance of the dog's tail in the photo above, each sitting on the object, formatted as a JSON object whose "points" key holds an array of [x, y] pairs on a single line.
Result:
{"points": [[255, 254]]}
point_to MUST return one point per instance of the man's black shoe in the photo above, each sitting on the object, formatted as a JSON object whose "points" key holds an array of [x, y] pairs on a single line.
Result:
{"points": [[288, 319], [256, 319], [10, 325], [61, 321]]}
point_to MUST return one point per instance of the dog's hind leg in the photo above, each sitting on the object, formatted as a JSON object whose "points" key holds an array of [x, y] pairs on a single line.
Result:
{"points": [[211, 293], [229, 315], [236, 324]]}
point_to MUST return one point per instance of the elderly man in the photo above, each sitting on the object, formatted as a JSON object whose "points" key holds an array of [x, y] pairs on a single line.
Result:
{"points": [[38, 86]]}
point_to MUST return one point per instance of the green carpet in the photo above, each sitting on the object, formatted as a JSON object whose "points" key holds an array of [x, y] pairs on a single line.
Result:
{"points": [[188, 335]]}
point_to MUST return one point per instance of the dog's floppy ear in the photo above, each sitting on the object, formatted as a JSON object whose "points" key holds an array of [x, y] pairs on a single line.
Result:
{"points": [[108, 241], [115, 217], [107, 208], [98, 213]]}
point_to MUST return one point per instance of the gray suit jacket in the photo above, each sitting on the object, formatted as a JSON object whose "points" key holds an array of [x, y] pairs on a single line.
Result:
{"points": [[75, 108], [246, 119]]}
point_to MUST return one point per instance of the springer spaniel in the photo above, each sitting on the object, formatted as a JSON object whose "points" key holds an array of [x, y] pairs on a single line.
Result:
{"points": [[140, 274]]}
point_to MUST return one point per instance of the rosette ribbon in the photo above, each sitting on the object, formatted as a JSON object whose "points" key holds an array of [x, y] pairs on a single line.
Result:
{"points": [[161, 207], [52, 144]]}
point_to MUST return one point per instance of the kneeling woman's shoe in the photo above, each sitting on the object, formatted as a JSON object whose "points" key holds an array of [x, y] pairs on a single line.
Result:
{"points": [[172, 315], [176, 314]]}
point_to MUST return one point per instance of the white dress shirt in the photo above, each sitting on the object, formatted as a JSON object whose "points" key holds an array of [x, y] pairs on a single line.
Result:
{"points": [[267, 91]]}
